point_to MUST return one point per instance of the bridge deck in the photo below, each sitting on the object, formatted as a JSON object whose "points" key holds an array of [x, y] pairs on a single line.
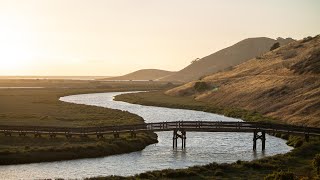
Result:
{"points": [[195, 126]]}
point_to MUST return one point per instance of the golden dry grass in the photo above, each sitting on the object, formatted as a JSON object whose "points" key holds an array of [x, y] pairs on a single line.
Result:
{"points": [[283, 84]]}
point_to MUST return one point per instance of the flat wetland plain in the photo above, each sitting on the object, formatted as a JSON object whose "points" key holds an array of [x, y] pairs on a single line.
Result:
{"points": [[41, 107]]}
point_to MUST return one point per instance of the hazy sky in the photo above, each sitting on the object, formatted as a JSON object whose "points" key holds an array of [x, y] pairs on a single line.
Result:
{"points": [[113, 37]]}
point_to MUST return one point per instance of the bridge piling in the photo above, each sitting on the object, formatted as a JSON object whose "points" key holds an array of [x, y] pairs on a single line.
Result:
{"points": [[174, 139], [262, 137], [52, 135], [99, 135], [254, 140], [116, 135], [182, 136], [306, 137], [133, 134], [22, 133]]}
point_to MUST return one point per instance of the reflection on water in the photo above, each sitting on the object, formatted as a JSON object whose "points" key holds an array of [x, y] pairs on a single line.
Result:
{"points": [[202, 148]]}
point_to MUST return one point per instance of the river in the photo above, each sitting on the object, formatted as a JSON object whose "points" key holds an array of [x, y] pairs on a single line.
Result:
{"points": [[202, 148]]}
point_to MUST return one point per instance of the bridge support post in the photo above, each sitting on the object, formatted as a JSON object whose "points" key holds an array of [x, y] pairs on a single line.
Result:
{"points": [[99, 135], [262, 137], [116, 135], [52, 135], [255, 133], [7, 133], [174, 139], [133, 134], [21, 133], [306, 137], [182, 136]]}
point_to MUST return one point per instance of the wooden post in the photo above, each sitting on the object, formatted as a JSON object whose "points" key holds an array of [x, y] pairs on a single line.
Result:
{"points": [[52, 135], [263, 139], [182, 140], [254, 140], [133, 134], [116, 135], [184, 137], [99, 135], [175, 139], [68, 135], [306, 137]]}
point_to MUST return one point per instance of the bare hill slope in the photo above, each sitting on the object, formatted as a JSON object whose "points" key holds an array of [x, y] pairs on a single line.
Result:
{"points": [[283, 83], [144, 74], [226, 58]]}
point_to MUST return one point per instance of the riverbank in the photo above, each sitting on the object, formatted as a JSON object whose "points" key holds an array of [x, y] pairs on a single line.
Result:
{"points": [[297, 161], [21, 150], [158, 98], [296, 164], [42, 107]]}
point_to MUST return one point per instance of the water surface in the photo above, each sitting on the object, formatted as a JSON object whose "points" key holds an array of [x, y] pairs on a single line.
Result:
{"points": [[202, 148]]}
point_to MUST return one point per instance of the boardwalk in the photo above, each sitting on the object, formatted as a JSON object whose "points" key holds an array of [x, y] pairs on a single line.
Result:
{"points": [[179, 129]]}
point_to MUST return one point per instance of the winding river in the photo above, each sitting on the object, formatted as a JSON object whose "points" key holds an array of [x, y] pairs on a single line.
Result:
{"points": [[202, 148]]}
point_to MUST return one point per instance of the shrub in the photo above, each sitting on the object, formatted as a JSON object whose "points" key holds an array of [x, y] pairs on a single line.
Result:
{"points": [[285, 136], [295, 141], [309, 65], [306, 39], [289, 54], [218, 172], [201, 86], [180, 173], [281, 175], [316, 163], [146, 175], [259, 57], [239, 162], [275, 46]]}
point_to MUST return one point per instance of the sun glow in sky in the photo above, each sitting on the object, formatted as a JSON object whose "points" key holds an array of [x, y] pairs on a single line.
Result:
{"points": [[114, 37]]}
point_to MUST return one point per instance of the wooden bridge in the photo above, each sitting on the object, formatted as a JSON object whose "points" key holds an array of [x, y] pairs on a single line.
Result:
{"points": [[179, 128]]}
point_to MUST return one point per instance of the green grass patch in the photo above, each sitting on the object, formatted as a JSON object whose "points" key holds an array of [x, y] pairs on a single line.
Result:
{"points": [[41, 107]]}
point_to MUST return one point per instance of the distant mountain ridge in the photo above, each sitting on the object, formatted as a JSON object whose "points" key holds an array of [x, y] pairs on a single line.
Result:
{"points": [[226, 58], [144, 74]]}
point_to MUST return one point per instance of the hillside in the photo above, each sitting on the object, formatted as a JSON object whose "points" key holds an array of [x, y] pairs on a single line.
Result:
{"points": [[144, 74], [283, 84], [226, 58]]}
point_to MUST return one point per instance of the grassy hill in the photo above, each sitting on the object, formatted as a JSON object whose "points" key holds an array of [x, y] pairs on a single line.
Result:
{"points": [[226, 58], [144, 74], [283, 84]]}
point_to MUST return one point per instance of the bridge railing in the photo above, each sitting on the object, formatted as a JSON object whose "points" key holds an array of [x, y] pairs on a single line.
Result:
{"points": [[168, 126]]}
